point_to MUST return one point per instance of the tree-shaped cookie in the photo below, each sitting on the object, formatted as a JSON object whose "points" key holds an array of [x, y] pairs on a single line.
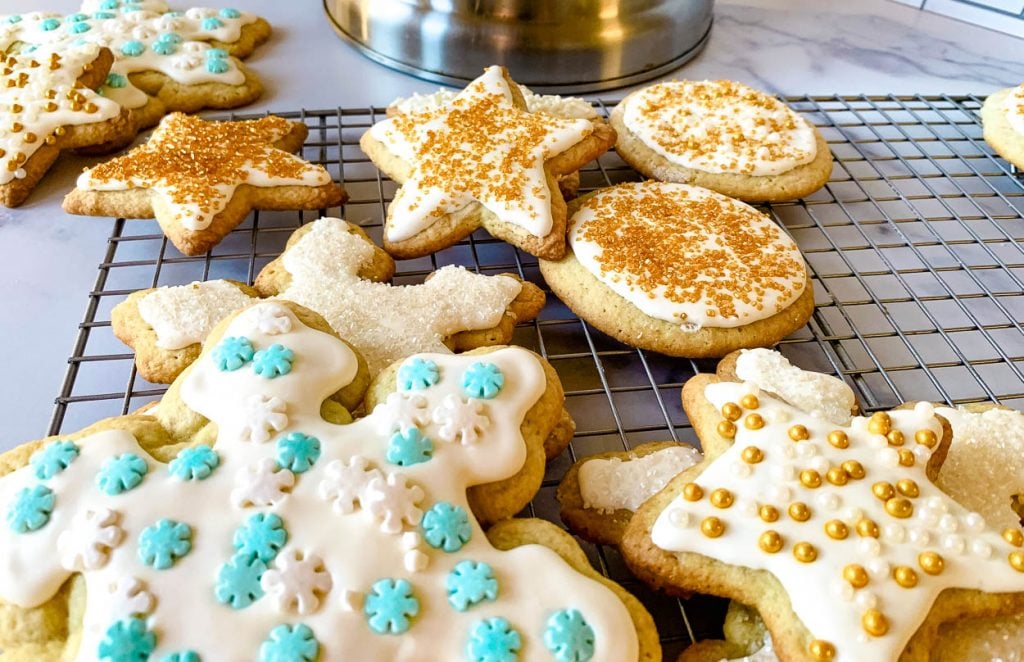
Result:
{"points": [[48, 104], [243, 524], [332, 267], [833, 530], [200, 179], [481, 161], [163, 60]]}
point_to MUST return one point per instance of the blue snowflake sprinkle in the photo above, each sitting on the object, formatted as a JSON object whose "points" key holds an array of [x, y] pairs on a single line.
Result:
{"points": [[170, 38], [238, 581], [30, 509], [115, 80], [409, 447], [103, 15], [196, 463], [76, 18], [14, 18], [390, 606], [493, 640], [261, 537], [446, 527], [127, 641], [217, 66], [53, 459], [164, 47], [232, 353], [230, 12], [273, 361], [569, 637], [482, 380], [297, 452], [470, 582], [50, 24], [121, 473], [290, 643], [110, 4], [163, 543], [211, 23], [216, 53], [133, 48], [181, 656], [78, 28], [416, 374]]}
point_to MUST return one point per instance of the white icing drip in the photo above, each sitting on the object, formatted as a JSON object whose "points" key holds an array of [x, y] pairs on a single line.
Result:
{"points": [[987, 450], [418, 204], [806, 583], [355, 553], [182, 315], [670, 117], [610, 484], [33, 117], [1014, 106], [693, 245], [547, 104], [809, 391], [147, 27]]}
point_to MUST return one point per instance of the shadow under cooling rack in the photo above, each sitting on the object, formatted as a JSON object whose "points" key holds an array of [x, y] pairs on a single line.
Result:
{"points": [[914, 249]]}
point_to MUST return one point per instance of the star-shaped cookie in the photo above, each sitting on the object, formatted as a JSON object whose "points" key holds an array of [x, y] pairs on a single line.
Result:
{"points": [[200, 179], [834, 532], [481, 161], [47, 104]]}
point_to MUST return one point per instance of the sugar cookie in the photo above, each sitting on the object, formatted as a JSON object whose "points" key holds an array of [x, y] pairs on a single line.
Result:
{"points": [[482, 161], [724, 136], [680, 270], [200, 179], [1002, 119]]}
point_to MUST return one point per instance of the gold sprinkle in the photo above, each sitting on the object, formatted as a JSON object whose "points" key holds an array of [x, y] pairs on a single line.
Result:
{"points": [[810, 478], [899, 507], [883, 490], [933, 563], [712, 527], [692, 492], [854, 469], [907, 458], [837, 476], [770, 542], [879, 423], [750, 401], [895, 438], [721, 498], [856, 575], [1014, 536], [799, 433], [731, 411], [874, 623], [752, 455], [1017, 561], [836, 529], [866, 528], [726, 429], [753, 422], [908, 488], [804, 552], [838, 439], [799, 511], [768, 513], [821, 651], [926, 438], [905, 576]]}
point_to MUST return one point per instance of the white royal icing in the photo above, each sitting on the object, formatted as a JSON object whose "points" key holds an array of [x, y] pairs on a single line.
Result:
{"points": [[1014, 106], [975, 556], [735, 283], [37, 104], [987, 450], [384, 322], [720, 127], [323, 574], [546, 104], [614, 483], [142, 32], [821, 395], [494, 170]]}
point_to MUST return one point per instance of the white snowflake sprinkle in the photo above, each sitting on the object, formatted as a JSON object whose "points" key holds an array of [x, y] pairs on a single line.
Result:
{"points": [[401, 411], [461, 420], [87, 543], [261, 485], [270, 318], [393, 501], [297, 582], [129, 597], [345, 483], [263, 414]]}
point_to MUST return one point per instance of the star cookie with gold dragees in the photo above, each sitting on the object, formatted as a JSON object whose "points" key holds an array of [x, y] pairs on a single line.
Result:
{"points": [[47, 104], [835, 533], [482, 161], [200, 179]]}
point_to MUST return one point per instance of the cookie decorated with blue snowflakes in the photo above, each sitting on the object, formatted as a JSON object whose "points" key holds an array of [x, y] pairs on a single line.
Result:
{"points": [[830, 526], [250, 519], [164, 60]]}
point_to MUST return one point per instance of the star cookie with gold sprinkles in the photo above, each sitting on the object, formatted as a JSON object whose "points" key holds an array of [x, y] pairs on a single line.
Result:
{"points": [[483, 161], [48, 104], [834, 531], [201, 178]]}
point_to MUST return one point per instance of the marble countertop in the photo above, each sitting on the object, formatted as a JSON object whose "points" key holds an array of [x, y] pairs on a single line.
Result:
{"points": [[48, 259]]}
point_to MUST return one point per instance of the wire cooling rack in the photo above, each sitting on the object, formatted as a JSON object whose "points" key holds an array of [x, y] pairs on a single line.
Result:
{"points": [[912, 245]]}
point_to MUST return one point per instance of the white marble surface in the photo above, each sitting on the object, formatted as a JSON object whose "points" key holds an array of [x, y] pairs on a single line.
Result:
{"points": [[48, 260]]}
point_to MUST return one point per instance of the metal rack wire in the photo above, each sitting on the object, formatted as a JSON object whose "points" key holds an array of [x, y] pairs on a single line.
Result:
{"points": [[913, 246]]}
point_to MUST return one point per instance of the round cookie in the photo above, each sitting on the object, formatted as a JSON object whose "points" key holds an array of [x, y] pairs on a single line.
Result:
{"points": [[689, 132], [640, 270], [1002, 119]]}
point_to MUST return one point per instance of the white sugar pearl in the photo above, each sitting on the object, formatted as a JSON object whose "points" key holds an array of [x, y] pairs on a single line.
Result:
{"points": [[928, 517], [879, 568], [828, 501], [806, 449], [679, 517], [974, 522], [779, 416], [869, 546], [789, 450], [859, 423], [741, 469], [937, 504], [918, 536], [866, 600], [953, 543], [888, 457], [877, 441], [20, 173], [922, 454], [783, 472], [415, 561], [981, 549], [852, 514], [893, 533], [819, 464], [410, 540], [949, 523], [747, 507], [779, 493], [924, 409], [842, 589]]}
